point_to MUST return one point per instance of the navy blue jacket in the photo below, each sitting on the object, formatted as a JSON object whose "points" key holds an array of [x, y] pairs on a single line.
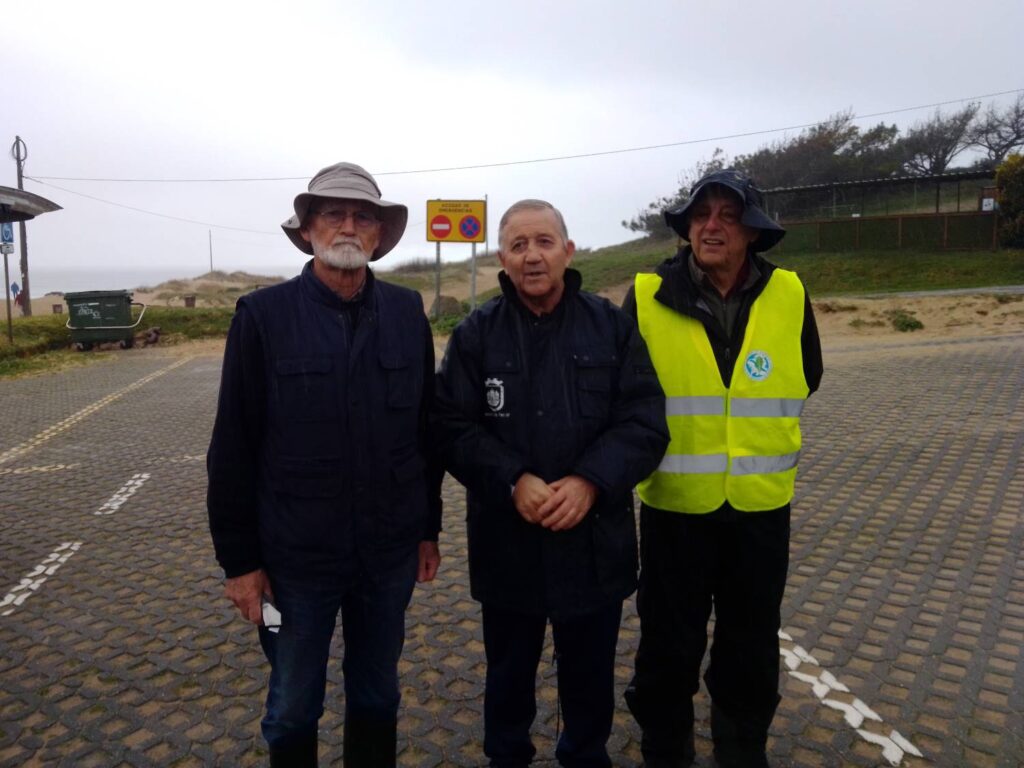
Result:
{"points": [[318, 463], [570, 393]]}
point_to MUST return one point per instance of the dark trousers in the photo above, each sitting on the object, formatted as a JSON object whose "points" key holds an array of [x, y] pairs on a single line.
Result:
{"points": [[373, 625], [736, 563], [585, 652]]}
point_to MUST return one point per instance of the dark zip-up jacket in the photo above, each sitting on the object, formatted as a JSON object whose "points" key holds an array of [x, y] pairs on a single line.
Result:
{"points": [[679, 292], [318, 461], [573, 392]]}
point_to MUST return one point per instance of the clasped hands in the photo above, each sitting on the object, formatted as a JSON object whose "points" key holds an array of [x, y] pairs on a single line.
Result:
{"points": [[559, 505]]}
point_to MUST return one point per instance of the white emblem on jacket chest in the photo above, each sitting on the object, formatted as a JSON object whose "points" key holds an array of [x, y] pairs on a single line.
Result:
{"points": [[494, 390]]}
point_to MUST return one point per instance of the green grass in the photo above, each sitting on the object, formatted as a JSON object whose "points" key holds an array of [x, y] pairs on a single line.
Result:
{"points": [[42, 343], [834, 274], [830, 273]]}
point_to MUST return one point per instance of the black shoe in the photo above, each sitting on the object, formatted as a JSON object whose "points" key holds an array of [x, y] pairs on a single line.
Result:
{"points": [[739, 743], [734, 757], [684, 757], [301, 754], [369, 743]]}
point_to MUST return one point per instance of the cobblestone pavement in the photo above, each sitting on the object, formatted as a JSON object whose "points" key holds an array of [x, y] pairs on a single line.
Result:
{"points": [[903, 620]]}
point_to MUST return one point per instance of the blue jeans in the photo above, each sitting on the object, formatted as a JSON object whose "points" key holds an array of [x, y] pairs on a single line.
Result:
{"points": [[373, 627]]}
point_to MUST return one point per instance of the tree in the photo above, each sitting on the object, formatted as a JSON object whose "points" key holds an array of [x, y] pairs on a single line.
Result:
{"points": [[812, 157], [872, 154], [999, 133], [651, 220], [929, 147], [1010, 181]]}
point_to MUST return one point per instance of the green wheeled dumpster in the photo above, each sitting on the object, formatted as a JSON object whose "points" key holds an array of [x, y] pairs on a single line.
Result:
{"points": [[95, 317]]}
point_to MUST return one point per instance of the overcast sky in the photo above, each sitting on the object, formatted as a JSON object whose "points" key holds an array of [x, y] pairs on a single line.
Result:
{"points": [[216, 90]]}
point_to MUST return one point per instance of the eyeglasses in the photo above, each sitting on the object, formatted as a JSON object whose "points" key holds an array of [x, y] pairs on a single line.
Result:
{"points": [[337, 217]]}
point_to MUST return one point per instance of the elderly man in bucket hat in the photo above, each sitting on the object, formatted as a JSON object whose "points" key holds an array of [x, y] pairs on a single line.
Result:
{"points": [[734, 342], [322, 497]]}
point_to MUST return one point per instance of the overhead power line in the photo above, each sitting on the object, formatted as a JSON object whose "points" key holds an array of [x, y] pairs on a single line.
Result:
{"points": [[151, 213], [580, 156]]}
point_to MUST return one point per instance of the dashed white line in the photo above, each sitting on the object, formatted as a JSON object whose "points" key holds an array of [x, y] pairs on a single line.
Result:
{"points": [[37, 576], [41, 468], [124, 493], [824, 685]]}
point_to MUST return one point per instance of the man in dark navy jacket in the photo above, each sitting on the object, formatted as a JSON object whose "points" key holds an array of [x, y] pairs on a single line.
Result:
{"points": [[320, 496], [549, 412]]}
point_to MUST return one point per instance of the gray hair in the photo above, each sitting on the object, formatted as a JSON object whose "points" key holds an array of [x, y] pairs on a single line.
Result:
{"points": [[532, 205]]}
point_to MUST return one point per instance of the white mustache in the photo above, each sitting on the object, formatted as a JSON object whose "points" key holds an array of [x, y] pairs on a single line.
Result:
{"points": [[348, 241]]}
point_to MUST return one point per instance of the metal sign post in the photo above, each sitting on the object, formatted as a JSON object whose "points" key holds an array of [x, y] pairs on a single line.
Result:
{"points": [[437, 283], [7, 294], [7, 246], [472, 279]]}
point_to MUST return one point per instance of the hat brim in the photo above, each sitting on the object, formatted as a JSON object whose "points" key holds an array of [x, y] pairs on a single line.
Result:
{"points": [[394, 217], [771, 232]]}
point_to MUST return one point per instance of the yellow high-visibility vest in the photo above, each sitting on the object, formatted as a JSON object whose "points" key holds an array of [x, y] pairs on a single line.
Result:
{"points": [[739, 443]]}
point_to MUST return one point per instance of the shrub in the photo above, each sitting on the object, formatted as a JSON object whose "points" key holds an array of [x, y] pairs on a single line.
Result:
{"points": [[1010, 180], [904, 321]]}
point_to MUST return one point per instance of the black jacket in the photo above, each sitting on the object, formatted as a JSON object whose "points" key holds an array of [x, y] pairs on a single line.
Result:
{"points": [[318, 462], [679, 292], [571, 393]]}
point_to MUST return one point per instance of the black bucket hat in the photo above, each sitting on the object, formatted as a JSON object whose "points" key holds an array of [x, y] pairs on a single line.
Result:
{"points": [[754, 215]]}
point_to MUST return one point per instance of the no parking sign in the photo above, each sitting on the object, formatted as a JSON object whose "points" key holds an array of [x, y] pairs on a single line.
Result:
{"points": [[6, 237]]}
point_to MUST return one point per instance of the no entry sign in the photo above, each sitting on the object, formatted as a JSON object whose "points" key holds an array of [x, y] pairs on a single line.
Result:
{"points": [[440, 228], [456, 221]]}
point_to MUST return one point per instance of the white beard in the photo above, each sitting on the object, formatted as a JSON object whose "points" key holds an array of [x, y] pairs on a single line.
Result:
{"points": [[344, 255]]}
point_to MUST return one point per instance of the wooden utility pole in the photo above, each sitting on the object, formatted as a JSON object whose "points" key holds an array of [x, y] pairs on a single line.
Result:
{"points": [[20, 152]]}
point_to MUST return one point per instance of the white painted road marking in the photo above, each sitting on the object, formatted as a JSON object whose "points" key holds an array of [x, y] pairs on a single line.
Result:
{"points": [[70, 421], [37, 576], [43, 468], [123, 494], [825, 685]]}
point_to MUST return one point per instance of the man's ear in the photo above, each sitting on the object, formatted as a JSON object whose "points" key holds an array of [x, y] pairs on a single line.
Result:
{"points": [[305, 233], [570, 250], [501, 258]]}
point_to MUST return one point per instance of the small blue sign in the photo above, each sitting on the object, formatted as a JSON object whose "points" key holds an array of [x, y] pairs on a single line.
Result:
{"points": [[6, 232]]}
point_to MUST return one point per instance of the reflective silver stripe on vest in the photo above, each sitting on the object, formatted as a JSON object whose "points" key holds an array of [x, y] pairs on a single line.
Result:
{"points": [[695, 406], [694, 464], [763, 465], [777, 407]]}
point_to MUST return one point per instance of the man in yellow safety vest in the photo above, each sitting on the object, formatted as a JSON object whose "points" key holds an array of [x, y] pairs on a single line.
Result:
{"points": [[736, 349]]}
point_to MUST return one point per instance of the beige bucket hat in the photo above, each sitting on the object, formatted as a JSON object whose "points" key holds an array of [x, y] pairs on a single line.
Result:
{"points": [[348, 181]]}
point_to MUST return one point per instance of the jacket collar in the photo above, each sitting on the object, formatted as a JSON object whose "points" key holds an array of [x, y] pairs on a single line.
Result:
{"points": [[679, 290], [314, 289], [573, 282]]}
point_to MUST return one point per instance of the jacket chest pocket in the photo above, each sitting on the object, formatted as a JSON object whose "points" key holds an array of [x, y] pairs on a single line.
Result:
{"points": [[401, 380], [306, 388], [596, 370]]}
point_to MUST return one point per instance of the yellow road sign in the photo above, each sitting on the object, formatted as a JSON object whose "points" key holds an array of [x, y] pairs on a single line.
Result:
{"points": [[456, 221]]}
